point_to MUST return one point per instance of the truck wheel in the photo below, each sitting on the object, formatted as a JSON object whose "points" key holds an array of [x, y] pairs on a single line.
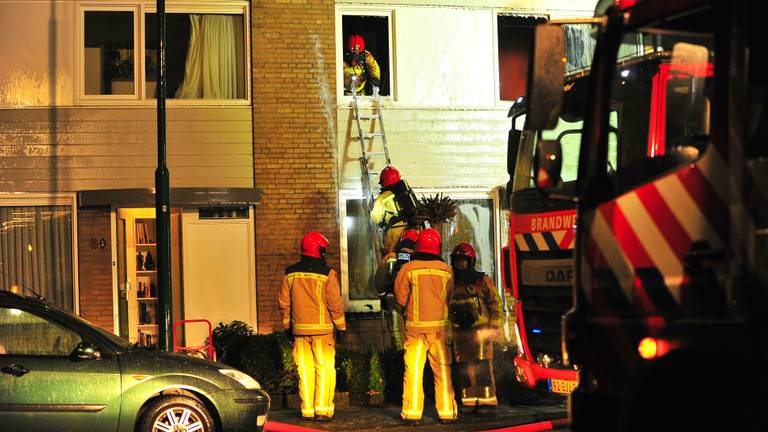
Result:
{"points": [[176, 413]]}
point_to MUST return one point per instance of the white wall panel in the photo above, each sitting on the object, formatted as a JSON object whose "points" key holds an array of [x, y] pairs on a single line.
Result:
{"points": [[444, 57]]}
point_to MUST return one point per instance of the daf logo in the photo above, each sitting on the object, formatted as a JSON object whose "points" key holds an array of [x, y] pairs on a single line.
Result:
{"points": [[558, 275]]}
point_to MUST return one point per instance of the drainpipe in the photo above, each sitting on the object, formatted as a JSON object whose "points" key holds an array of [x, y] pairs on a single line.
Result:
{"points": [[162, 197]]}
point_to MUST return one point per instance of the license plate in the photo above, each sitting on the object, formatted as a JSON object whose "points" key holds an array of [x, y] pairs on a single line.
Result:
{"points": [[562, 386]]}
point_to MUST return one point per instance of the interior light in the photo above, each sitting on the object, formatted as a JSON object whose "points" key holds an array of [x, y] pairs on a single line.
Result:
{"points": [[625, 73], [648, 348]]}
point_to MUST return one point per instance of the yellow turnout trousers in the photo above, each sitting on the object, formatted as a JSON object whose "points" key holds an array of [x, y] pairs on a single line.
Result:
{"points": [[315, 356], [473, 352], [419, 347]]}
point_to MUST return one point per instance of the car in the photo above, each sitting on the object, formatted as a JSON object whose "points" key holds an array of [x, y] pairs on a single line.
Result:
{"points": [[60, 372]]}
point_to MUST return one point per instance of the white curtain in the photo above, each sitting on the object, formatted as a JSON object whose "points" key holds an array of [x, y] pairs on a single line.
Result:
{"points": [[211, 65], [36, 252]]}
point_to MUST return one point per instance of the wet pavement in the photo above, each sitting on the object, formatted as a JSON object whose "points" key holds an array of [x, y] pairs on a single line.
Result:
{"points": [[387, 418]]}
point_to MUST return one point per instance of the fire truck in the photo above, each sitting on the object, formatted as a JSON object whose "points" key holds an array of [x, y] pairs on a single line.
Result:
{"points": [[538, 264], [668, 323], [542, 230]]}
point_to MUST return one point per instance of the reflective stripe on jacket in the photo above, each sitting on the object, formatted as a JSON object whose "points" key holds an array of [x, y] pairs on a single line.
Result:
{"points": [[422, 288], [311, 301]]}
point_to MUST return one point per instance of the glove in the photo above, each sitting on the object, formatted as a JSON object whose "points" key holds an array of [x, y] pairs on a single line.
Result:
{"points": [[339, 335], [289, 333]]}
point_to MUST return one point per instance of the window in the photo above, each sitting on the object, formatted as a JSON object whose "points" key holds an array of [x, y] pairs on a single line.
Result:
{"points": [[474, 223], [664, 99], [109, 55], [37, 250], [373, 63], [205, 53], [514, 40], [22, 333]]}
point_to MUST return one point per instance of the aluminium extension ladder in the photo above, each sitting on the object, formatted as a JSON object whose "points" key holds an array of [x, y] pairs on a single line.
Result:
{"points": [[366, 157]]}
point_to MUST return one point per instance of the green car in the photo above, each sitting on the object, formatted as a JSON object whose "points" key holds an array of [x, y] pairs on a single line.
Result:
{"points": [[60, 372]]}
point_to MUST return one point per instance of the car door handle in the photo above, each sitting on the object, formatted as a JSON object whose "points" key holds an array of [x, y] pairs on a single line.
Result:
{"points": [[15, 370]]}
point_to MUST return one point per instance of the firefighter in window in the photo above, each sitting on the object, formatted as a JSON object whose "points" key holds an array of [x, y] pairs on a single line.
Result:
{"points": [[386, 273], [475, 312], [311, 306], [359, 68], [395, 207]]}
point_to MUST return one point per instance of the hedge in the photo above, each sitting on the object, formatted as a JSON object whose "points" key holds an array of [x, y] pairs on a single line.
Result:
{"points": [[269, 359]]}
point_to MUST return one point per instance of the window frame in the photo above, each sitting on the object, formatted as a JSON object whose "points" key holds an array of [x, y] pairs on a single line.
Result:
{"points": [[62, 199], [140, 8], [469, 193], [388, 13]]}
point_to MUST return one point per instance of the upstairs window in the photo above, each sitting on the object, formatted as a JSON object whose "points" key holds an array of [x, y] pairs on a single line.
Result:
{"points": [[205, 53], [370, 61]]}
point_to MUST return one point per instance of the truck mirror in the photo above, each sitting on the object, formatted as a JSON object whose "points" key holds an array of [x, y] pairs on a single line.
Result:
{"points": [[546, 77], [547, 165], [513, 143]]}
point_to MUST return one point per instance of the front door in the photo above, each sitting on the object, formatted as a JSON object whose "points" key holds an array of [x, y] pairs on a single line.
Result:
{"points": [[42, 388]]}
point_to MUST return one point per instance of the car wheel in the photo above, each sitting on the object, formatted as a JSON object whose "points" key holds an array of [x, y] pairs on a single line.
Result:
{"points": [[177, 414]]}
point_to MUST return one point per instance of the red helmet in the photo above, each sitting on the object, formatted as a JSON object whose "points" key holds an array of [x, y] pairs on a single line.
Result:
{"points": [[355, 43], [389, 176], [410, 234], [429, 242], [464, 250], [314, 244]]}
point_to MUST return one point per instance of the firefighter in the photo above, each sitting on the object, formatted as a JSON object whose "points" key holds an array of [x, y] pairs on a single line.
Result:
{"points": [[395, 207], [475, 312], [359, 66], [311, 306], [386, 273], [422, 288]]}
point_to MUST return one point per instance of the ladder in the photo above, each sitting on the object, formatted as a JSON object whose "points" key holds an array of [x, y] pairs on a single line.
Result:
{"points": [[366, 175]]}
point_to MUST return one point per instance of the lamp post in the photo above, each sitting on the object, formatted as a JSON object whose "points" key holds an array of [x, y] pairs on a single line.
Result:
{"points": [[162, 197]]}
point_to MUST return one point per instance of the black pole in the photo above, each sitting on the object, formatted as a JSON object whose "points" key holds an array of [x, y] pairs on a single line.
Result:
{"points": [[162, 197]]}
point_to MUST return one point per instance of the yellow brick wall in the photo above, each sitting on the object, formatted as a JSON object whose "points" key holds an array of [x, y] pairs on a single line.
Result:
{"points": [[294, 117]]}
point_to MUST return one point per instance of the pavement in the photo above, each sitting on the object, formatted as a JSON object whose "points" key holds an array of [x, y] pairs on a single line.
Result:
{"points": [[546, 414]]}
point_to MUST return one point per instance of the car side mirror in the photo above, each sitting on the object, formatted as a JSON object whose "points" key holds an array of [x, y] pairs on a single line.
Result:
{"points": [[85, 351], [547, 165]]}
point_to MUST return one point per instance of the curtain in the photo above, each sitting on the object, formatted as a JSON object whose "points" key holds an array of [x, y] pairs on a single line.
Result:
{"points": [[211, 65], [36, 252]]}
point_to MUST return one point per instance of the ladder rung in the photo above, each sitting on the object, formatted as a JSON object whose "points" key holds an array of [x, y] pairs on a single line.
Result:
{"points": [[367, 117], [371, 135], [376, 154]]}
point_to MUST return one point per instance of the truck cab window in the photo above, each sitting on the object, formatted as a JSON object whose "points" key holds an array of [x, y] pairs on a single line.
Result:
{"points": [[662, 92]]}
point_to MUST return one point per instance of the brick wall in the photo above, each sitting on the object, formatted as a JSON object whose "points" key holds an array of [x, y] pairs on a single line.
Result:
{"points": [[294, 117], [95, 266]]}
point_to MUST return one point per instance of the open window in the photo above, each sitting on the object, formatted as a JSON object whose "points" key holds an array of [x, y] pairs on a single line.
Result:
{"points": [[475, 223], [371, 61], [514, 40], [206, 53]]}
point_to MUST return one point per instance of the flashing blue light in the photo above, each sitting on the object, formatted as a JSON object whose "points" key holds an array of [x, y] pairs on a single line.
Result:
{"points": [[537, 331]]}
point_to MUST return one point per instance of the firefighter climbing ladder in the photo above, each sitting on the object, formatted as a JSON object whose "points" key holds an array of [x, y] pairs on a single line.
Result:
{"points": [[377, 119]]}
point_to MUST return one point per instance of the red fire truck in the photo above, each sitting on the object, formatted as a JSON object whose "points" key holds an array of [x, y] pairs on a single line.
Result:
{"points": [[668, 324], [542, 230]]}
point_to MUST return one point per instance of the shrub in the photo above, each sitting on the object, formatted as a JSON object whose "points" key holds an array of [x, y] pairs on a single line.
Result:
{"points": [[268, 359], [225, 334], [375, 375], [351, 374]]}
